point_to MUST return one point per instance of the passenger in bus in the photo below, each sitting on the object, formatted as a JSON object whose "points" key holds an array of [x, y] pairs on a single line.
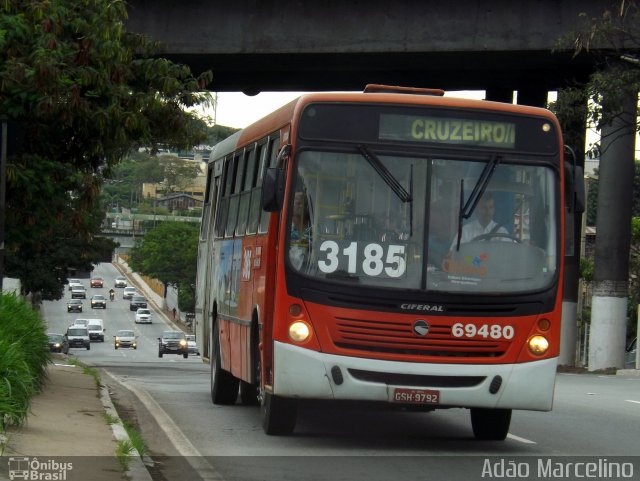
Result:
{"points": [[483, 223]]}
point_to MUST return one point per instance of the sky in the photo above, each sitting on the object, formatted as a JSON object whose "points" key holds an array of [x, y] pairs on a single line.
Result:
{"points": [[238, 110]]}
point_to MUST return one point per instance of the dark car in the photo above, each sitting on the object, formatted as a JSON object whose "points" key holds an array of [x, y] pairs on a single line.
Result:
{"points": [[137, 302], [173, 342], [58, 343], [98, 301], [74, 305]]}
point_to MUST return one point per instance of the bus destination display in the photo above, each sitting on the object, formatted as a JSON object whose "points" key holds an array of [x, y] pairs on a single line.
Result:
{"points": [[411, 128]]}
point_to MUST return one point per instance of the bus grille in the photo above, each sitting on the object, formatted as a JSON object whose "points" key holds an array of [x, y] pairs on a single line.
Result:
{"points": [[397, 337]]}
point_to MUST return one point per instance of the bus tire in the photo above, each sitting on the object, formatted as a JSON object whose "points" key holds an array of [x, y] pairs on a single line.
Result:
{"points": [[250, 393], [278, 414], [224, 386], [490, 424]]}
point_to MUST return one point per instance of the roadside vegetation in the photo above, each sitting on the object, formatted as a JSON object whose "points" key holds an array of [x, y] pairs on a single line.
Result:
{"points": [[169, 253], [79, 93], [24, 355]]}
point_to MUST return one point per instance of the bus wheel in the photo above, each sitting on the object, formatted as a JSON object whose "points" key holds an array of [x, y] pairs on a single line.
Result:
{"points": [[224, 386], [490, 424], [278, 414], [250, 393]]}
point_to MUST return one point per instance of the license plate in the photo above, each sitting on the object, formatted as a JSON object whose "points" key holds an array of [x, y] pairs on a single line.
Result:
{"points": [[415, 396]]}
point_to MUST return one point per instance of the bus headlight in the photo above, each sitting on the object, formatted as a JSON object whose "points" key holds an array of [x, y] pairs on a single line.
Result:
{"points": [[538, 345], [299, 331]]}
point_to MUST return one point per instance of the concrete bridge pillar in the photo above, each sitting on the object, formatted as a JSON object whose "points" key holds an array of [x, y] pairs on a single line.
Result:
{"points": [[607, 333]]}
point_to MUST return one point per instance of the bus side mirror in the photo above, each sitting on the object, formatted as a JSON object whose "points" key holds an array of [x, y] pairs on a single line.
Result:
{"points": [[273, 189]]}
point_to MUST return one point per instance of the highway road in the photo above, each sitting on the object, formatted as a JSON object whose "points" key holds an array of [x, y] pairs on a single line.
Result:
{"points": [[595, 419]]}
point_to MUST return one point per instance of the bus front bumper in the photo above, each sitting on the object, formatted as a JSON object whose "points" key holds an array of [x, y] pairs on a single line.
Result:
{"points": [[305, 374]]}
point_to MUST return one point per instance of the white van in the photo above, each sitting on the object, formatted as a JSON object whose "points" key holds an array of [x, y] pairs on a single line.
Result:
{"points": [[78, 336], [96, 329]]}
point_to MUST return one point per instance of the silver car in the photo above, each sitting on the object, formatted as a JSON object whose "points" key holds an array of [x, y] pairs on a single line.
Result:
{"points": [[125, 338]]}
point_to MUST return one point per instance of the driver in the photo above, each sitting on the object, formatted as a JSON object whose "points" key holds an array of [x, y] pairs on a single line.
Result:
{"points": [[483, 223]]}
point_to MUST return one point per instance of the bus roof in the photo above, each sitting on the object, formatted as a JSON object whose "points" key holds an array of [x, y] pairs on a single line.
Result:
{"points": [[283, 116]]}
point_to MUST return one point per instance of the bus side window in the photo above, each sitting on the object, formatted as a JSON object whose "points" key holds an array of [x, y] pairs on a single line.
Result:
{"points": [[272, 155], [223, 206], [234, 198], [254, 207], [245, 196]]}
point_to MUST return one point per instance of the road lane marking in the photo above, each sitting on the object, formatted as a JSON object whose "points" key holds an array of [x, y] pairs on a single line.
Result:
{"points": [[173, 432], [632, 401], [522, 440]]}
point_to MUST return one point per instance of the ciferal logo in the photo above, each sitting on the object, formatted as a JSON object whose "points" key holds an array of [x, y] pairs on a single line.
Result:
{"points": [[421, 328]]}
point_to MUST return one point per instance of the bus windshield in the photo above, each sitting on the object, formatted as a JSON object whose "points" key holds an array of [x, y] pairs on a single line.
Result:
{"points": [[388, 220]]}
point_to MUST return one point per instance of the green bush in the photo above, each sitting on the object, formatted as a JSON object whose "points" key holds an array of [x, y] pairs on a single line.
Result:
{"points": [[24, 355]]}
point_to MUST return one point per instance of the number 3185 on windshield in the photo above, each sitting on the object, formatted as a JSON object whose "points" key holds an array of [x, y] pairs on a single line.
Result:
{"points": [[371, 259]]}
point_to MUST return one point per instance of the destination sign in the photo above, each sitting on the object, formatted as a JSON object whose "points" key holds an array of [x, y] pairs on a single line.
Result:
{"points": [[447, 130]]}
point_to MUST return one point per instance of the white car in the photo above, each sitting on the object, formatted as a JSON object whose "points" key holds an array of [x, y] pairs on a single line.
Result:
{"points": [[143, 316], [73, 282], [191, 342], [129, 292], [120, 282]]}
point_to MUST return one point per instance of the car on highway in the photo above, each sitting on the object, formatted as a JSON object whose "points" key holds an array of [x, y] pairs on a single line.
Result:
{"points": [[78, 336], [74, 282], [173, 342], [80, 322], [74, 305], [191, 343], [120, 282], [96, 330], [97, 282], [78, 292], [143, 316], [129, 292], [58, 343], [137, 302], [125, 338], [98, 301], [630, 354]]}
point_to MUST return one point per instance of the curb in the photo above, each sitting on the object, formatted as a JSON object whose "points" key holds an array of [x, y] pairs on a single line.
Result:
{"points": [[137, 470]]}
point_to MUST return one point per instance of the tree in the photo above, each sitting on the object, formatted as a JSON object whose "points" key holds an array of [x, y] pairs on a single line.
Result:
{"points": [[178, 174], [71, 82], [169, 253]]}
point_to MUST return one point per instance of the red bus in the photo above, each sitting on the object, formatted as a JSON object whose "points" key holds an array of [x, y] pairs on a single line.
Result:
{"points": [[394, 246]]}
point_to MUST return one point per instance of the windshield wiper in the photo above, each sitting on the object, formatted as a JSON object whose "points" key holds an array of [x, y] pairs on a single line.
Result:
{"points": [[469, 207], [385, 175]]}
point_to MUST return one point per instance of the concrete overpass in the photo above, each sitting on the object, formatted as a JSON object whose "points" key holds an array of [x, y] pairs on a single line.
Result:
{"points": [[254, 46]]}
